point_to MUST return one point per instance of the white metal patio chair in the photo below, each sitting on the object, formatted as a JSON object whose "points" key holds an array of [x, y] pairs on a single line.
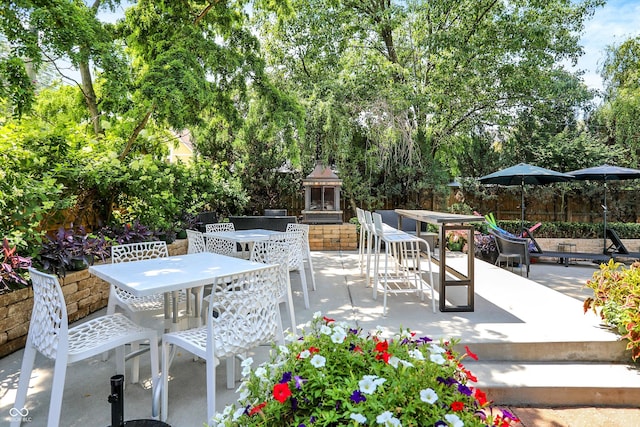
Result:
{"points": [[195, 242], [304, 228], [222, 246], [219, 226], [50, 335], [296, 257], [272, 252], [243, 313], [136, 308]]}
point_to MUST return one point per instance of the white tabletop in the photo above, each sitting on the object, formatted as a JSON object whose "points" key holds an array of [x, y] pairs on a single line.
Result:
{"points": [[159, 275], [244, 236]]}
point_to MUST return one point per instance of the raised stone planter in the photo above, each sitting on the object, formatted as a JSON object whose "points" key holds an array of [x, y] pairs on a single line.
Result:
{"points": [[83, 293], [333, 237]]}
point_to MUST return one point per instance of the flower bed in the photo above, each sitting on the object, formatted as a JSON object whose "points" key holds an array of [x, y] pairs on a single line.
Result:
{"points": [[335, 375]]}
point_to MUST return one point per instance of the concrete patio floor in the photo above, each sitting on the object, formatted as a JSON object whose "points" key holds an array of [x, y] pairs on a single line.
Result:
{"points": [[547, 307]]}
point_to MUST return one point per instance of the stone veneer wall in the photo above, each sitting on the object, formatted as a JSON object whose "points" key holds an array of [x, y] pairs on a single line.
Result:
{"points": [[83, 293], [333, 237]]}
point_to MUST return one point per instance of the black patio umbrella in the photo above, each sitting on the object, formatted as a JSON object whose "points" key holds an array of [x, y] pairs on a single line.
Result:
{"points": [[605, 173], [522, 174]]}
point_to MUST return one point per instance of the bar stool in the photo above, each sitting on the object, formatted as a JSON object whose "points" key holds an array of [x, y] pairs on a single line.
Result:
{"points": [[404, 250]]}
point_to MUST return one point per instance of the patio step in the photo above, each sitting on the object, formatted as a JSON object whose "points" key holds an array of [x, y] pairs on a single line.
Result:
{"points": [[603, 351], [558, 384]]}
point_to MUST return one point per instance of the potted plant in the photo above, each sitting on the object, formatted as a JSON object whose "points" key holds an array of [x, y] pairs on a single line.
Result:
{"points": [[456, 240], [70, 250], [335, 375]]}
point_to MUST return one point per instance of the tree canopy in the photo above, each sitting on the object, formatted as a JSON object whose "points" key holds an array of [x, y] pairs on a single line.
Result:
{"points": [[399, 96]]}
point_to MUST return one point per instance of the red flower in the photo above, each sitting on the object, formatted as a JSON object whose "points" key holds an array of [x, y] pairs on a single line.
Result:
{"points": [[470, 376], [383, 355], [470, 353], [481, 397], [257, 408], [327, 319], [357, 349], [457, 406], [281, 392], [313, 350], [382, 346]]}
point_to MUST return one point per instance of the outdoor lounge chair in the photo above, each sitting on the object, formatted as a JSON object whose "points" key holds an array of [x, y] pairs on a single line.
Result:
{"points": [[563, 257], [617, 248], [511, 250]]}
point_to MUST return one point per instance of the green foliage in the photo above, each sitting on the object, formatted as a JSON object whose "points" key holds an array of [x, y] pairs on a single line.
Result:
{"points": [[31, 191], [15, 85], [573, 230], [616, 291], [616, 121], [158, 194]]}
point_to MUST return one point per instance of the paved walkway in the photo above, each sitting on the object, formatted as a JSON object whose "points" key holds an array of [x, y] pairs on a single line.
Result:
{"points": [[507, 309]]}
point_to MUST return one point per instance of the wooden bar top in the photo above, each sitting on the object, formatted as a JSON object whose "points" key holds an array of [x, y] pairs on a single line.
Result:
{"points": [[434, 217]]}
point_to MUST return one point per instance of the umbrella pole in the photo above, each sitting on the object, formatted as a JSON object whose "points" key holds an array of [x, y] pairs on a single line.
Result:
{"points": [[522, 205], [604, 231]]}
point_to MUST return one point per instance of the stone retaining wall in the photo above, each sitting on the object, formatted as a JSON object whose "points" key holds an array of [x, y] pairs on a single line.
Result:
{"points": [[83, 293]]}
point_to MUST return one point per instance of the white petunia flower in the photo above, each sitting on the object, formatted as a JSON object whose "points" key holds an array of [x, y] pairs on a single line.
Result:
{"points": [[304, 354], [359, 418], [246, 366], [393, 361], [338, 336], [379, 381], [428, 395], [388, 419], [416, 354], [326, 330], [384, 417], [261, 373], [454, 420], [367, 386], [318, 361], [435, 348], [406, 363], [239, 412], [317, 315], [283, 349], [437, 358]]}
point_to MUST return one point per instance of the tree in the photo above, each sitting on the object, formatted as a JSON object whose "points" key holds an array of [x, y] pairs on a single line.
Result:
{"points": [[618, 119], [415, 79]]}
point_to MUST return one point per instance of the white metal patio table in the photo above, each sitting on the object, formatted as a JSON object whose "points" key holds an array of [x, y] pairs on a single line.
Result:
{"points": [[244, 237], [172, 274]]}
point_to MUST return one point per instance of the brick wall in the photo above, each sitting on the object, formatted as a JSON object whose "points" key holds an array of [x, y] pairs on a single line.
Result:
{"points": [[83, 293], [333, 237]]}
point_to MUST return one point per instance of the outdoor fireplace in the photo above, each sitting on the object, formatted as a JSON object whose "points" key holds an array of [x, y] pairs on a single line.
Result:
{"points": [[322, 197]]}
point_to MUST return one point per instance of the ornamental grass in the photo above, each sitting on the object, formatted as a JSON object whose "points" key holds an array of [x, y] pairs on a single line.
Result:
{"points": [[335, 375]]}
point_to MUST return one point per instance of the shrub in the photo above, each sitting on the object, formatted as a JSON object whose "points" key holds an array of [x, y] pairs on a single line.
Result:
{"points": [[617, 299], [337, 376]]}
